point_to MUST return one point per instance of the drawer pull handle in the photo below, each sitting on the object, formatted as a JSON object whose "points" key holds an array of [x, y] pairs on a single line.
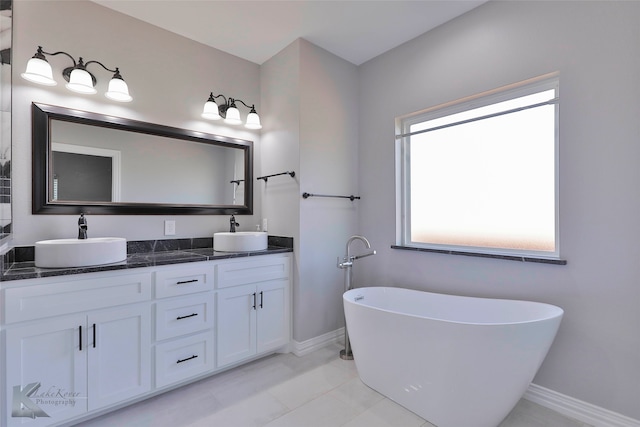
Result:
{"points": [[188, 358], [261, 298], [182, 282], [254, 301], [94, 335], [80, 336], [185, 317]]}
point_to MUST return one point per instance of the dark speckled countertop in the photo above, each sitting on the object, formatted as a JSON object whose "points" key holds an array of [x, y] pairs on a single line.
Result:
{"points": [[18, 262]]}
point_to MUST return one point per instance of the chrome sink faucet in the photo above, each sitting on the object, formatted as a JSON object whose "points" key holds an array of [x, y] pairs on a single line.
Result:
{"points": [[82, 227], [233, 224]]}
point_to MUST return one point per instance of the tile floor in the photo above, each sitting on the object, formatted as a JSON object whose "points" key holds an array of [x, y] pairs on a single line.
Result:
{"points": [[283, 390]]}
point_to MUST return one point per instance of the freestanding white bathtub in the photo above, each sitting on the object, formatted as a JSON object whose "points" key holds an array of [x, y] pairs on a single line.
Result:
{"points": [[455, 361]]}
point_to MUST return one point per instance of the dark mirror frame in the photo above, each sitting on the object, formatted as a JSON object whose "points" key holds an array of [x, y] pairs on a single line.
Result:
{"points": [[42, 115]]}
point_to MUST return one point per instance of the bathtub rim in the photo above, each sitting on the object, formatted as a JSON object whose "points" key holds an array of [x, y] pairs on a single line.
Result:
{"points": [[557, 312]]}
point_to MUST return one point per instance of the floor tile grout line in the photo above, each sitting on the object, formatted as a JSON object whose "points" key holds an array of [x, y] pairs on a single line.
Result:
{"points": [[326, 393]]}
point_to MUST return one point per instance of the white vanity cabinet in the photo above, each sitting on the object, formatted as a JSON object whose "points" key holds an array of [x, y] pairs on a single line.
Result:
{"points": [[91, 342], [69, 360], [252, 308]]}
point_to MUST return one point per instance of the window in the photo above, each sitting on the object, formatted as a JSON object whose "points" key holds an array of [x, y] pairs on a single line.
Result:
{"points": [[480, 175]]}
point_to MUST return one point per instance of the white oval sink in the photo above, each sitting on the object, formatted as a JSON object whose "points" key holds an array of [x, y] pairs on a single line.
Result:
{"points": [[61, 253], [240, 241]]}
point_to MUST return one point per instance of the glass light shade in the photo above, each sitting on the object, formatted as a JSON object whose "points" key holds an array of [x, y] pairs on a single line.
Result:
{"points": [[233, 116], [210, 111], [118, 90], [253, 121], [80, 81], [39, 71]]}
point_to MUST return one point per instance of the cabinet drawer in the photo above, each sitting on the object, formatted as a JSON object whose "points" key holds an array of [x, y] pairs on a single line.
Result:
{"points": [[72, 296], [184, 315], [252, 271], [183, 281], [184, 358]]}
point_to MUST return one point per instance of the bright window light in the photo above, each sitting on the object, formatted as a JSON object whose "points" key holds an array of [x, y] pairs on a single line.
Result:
{"points": [[483, 179]]}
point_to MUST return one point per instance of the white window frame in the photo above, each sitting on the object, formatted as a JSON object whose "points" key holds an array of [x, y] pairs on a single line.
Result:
{"points": [[403, 184]]}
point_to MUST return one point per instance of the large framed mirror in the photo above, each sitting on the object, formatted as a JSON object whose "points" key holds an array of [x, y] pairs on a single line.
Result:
{"points": [[98, 164]]}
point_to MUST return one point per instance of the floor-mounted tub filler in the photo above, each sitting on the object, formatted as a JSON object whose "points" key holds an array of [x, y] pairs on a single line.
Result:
{"points": [[455, 361], [346, 265]]}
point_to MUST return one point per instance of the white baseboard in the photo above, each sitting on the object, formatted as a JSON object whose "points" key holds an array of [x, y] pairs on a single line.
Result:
{"points": [[308, 346], [577, 409]]}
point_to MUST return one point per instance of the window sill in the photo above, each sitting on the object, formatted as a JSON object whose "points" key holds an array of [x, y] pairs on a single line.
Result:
{"points": [[483, 255]]}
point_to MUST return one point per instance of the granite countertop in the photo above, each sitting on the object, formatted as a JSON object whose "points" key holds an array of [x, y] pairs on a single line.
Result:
{"points": [[18, 262]]}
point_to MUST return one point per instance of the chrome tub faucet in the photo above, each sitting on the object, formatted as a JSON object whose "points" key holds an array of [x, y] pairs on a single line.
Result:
{"points": [[346, 265]]}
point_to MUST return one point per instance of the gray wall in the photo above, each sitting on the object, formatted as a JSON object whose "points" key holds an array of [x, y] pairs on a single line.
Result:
{"points": [[312, 128], [594, 47], [329, 164], [169, 77]]}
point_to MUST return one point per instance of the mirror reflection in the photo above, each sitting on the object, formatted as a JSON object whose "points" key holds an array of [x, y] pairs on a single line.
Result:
{"points": [[108, 165], [6, 21], [113, 165]]}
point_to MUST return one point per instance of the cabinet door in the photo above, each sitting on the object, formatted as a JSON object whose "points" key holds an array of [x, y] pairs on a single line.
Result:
{"points": [[236, 324], [119, 354], [46, 371], [273, 315]]}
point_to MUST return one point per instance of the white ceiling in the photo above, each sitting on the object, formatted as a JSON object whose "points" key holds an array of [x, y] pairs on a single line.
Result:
{"points": [[355, 30]]}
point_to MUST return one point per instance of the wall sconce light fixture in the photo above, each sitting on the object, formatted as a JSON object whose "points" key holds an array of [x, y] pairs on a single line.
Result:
{"points": [[229, 112], [79, 79]]}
